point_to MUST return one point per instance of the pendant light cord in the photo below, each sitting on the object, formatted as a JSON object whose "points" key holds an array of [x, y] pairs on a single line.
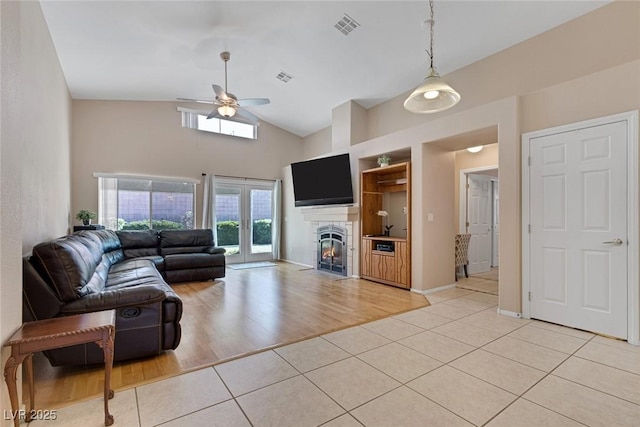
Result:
{"points": [[431, 23]]}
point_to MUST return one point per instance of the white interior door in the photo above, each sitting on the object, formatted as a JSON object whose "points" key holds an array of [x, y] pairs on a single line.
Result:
{"points": [[479, 222], [578, 236], [495, 248]]}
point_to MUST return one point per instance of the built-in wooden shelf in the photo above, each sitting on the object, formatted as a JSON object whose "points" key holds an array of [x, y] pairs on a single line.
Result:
{"points": [[393, 181], [393, 265]]}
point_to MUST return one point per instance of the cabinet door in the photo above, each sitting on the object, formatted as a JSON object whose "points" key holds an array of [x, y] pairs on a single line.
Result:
{"points": [[383, 266], [402, 264], [366, 258]]}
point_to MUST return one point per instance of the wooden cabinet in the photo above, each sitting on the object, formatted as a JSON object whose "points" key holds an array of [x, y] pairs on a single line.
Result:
{"points": [[386, 259]]}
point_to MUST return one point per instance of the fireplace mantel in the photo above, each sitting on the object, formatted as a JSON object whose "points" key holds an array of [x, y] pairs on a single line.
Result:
{"points": [[331, 213]]}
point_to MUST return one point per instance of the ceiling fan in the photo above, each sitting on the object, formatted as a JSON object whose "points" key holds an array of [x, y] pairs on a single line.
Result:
{"points": [[228, 105]]}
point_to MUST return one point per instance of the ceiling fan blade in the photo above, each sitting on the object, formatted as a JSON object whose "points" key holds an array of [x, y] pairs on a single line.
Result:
{"points": [[195, 100], [247, 115], [214, 114], [238, 117], [220, 93], [253, 101]]}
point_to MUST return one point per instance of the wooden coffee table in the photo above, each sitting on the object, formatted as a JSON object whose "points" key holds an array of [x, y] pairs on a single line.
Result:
{"points": [[41, 335]]}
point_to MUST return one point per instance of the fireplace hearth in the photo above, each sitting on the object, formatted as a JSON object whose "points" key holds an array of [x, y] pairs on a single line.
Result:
{"points": [[332, 249]]}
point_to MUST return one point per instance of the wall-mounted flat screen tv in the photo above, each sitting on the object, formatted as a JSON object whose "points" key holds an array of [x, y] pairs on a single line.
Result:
{"points": [[325, 181]]}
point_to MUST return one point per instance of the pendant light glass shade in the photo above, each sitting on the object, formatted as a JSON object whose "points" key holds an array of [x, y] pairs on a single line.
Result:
{"points": [[432, 96]]}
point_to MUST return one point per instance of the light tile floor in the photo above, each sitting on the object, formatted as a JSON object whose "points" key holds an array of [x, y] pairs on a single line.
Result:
{"points": [[455, 363], [480, 282]]}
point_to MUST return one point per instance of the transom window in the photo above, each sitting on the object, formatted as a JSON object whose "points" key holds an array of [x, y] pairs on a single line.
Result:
{"points": [[195, 120], [142, 203]]}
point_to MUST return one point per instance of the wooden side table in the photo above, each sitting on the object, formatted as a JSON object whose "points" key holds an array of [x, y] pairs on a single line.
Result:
{"points": [[41, 335]]}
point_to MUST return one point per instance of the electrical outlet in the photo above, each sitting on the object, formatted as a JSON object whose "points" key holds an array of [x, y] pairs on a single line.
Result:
{"points": [[429, 217], [404, 210]]}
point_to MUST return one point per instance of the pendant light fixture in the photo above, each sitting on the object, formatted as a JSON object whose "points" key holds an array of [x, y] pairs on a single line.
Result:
{"points": [[434, 94]]}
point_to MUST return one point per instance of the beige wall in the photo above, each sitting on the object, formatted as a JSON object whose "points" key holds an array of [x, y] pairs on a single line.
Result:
{"points": [[35, 111], [146, 138], [348, 125], [438, 186], [317, 144], [605, 92]]}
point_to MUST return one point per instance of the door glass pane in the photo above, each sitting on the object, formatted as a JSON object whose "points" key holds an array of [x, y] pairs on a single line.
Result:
{"points": [[228, 219], [261, 217]]}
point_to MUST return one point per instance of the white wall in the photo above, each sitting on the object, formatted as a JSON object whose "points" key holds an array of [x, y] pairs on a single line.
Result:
{"points": [[35, 111], [295, 230]]}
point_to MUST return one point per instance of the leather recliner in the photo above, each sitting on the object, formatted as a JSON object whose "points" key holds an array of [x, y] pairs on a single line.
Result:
{"points": [[93, 270]]}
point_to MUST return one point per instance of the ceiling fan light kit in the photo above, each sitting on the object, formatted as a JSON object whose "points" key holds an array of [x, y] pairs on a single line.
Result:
{"points": [[434, 94], [227, 104], [226, 111]]}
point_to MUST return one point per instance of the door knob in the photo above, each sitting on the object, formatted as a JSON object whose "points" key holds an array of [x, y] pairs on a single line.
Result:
{"points": [[615, 242]]}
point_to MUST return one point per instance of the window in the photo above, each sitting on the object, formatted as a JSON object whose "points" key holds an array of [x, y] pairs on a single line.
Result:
{"points": [[142, 203], [195, 120]]}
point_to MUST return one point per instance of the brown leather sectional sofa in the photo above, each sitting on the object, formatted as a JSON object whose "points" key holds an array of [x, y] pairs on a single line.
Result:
{"points": [[124, 270]]}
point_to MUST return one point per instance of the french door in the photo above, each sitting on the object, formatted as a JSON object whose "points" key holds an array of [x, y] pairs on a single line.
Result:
{"points": [[244, 214]]}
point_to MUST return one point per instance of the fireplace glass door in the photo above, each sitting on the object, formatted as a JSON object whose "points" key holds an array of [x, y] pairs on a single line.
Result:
{"points": [[331, 247]]}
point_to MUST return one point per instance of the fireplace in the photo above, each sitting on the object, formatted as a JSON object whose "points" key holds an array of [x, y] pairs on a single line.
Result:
{"points": [[332, 249]]}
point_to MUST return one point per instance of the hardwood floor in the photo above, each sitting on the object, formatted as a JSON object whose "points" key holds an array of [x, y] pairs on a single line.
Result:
{"points": [[247, 311]]}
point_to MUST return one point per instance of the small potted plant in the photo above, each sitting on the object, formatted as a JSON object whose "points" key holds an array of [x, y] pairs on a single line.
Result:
{"points": [[86, 216], [384, 160]]}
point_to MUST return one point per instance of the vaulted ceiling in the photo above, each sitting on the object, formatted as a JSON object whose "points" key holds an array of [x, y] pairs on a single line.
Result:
{"points": [[162, 50]]}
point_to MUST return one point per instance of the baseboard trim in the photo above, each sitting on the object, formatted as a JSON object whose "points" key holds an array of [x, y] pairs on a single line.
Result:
{"points": [[296, 263], [510, 313], [434, 290]]}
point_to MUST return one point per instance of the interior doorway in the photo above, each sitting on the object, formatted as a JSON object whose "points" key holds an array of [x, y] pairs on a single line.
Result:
{"points": [[479, 207]]}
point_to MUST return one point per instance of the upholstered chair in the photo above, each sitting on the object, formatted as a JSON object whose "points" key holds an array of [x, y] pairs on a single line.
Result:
{"points": [[462, 253]]}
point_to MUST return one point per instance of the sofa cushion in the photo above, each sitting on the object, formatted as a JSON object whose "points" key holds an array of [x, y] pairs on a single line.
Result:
{"points": [[67, 264], [133, 272], [138, 243], [106, 242], [187, 261], [39, 301], [157, 260], [185, 241]]}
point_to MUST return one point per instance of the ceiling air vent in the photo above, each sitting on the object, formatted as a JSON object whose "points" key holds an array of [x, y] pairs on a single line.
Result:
{"points": [[346, 24], [284, 77]]}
